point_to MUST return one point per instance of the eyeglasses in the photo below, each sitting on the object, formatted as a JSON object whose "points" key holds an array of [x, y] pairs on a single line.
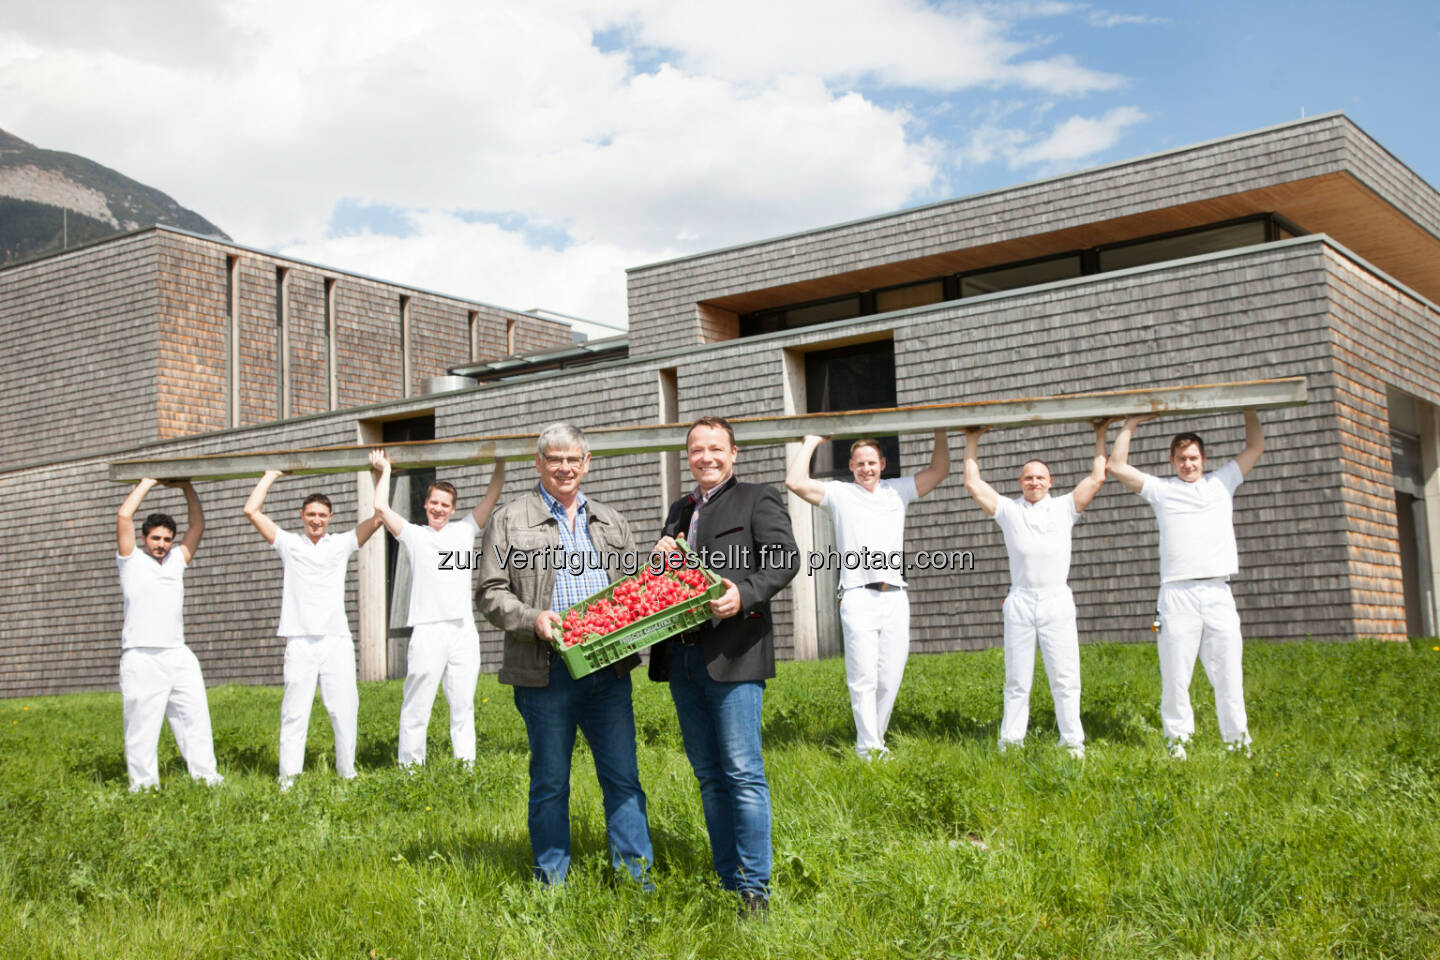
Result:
{"points": [[563, 461]]}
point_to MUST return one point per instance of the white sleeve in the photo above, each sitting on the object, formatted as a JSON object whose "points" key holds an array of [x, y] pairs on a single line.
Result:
{"points": [[827, 502], [1004, 513], [350, 541], [1150, 489], [1231, 476], [1075, 515], [905, 487]]}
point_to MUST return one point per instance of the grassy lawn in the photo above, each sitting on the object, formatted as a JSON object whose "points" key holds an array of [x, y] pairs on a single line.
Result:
{"points": [[1324, 843]]}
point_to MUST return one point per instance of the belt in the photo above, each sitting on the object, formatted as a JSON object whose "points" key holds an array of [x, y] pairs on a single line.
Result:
{"points": [[882, 586], [691, 637]]}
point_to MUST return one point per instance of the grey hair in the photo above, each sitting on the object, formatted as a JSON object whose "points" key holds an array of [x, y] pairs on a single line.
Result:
{"points": [[561, 436]]}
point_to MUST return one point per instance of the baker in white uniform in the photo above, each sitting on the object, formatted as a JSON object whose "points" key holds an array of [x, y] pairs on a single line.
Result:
{"points": [[874, 609], [444, 649], [1197, 558], [159, 675], [1039, 607], [318, 646]]}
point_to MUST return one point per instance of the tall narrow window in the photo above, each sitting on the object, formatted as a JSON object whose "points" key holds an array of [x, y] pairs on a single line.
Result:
{"points": [[510, 336], [232, 319], [404, 346], [669, 460], [474, 328], [330, 375], [282, 343]]}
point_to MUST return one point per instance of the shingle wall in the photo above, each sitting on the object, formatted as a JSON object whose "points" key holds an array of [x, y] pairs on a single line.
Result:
{"points": [[193, 345], [1382, 335], [78, 352]]}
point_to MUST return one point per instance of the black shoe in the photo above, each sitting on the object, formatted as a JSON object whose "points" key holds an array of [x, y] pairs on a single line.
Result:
{"points": [[753, 906]]}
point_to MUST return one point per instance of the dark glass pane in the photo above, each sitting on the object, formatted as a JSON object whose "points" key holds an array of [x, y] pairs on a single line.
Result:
{"points": [[1183, 245], [1024, 275], [859, 377]]}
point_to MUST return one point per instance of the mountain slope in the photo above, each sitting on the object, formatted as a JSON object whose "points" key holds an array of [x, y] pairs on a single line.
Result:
{"points": [[50, 199]]}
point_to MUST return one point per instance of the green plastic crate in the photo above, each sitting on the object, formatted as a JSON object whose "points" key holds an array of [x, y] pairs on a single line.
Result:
{"points": [[591, 655]]}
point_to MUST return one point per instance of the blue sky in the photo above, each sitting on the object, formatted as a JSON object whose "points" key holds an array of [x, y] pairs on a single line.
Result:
{"points": [[526, 154]]}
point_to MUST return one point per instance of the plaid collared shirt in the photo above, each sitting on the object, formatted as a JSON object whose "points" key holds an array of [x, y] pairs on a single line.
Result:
{"points": [[571, 588]]}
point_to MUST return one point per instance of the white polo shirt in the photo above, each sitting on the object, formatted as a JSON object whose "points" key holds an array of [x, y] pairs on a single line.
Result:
{"points": [[154, 599], [871, 528], [1037, 539], [440, 594], [313, 602], [1197, 535]]}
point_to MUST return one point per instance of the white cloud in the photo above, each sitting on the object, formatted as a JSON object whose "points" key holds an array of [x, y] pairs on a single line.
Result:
{"points": [[1101, 18], [893, 42], [740, 122], [1077, 138]]}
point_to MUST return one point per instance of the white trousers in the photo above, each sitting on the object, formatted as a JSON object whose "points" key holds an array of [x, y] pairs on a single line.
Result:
{"points": [[1046, 617], [157, 683], [1199, 617], [328, 662], [443, 653], [876, 624]]}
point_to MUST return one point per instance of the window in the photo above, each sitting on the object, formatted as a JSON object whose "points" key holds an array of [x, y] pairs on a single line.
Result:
{"points": [[282, 343], [858, 377], [232, 316], [910, 295], [330, 374], [404, 346], [1020, 275], [1189, 244], [1211, 238]]}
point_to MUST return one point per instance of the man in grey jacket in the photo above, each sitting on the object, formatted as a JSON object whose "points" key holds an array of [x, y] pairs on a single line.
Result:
{"points": [[543, 553]]}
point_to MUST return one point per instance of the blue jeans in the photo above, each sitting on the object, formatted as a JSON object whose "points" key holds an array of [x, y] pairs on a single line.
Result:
{"points": [[599, 706], [720, 723]]}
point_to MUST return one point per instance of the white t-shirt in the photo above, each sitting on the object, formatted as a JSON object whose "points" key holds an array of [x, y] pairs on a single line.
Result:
{"points": [[313, 603], [154, 599], [870, 529], [1037, 538], [1197, 537], [440, 594]]}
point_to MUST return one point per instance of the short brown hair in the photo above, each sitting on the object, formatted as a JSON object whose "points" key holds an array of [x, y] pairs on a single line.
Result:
{"points": [[718, 423], [444, 486], [867, 442], [1183, 440], [319, 498]]}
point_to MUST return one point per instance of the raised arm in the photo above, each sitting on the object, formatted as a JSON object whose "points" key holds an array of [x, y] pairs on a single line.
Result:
{"points": [[486, 506], [125, 519], [1254, 442], [253, 506], [929, 478], [1119, 463], [1086, 489], [797, 478], [983, 493], [194, 520], [392, 520]]}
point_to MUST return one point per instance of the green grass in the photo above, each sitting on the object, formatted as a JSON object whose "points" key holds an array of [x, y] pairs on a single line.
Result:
{"points": [[1325, 843]]}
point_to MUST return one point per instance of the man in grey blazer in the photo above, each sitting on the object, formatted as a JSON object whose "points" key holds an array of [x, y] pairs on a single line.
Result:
{"points": [[717, 671], [571, 546]]}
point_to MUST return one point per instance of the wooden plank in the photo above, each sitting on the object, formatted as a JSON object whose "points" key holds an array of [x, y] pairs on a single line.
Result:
{"points": [[749, 431]]}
